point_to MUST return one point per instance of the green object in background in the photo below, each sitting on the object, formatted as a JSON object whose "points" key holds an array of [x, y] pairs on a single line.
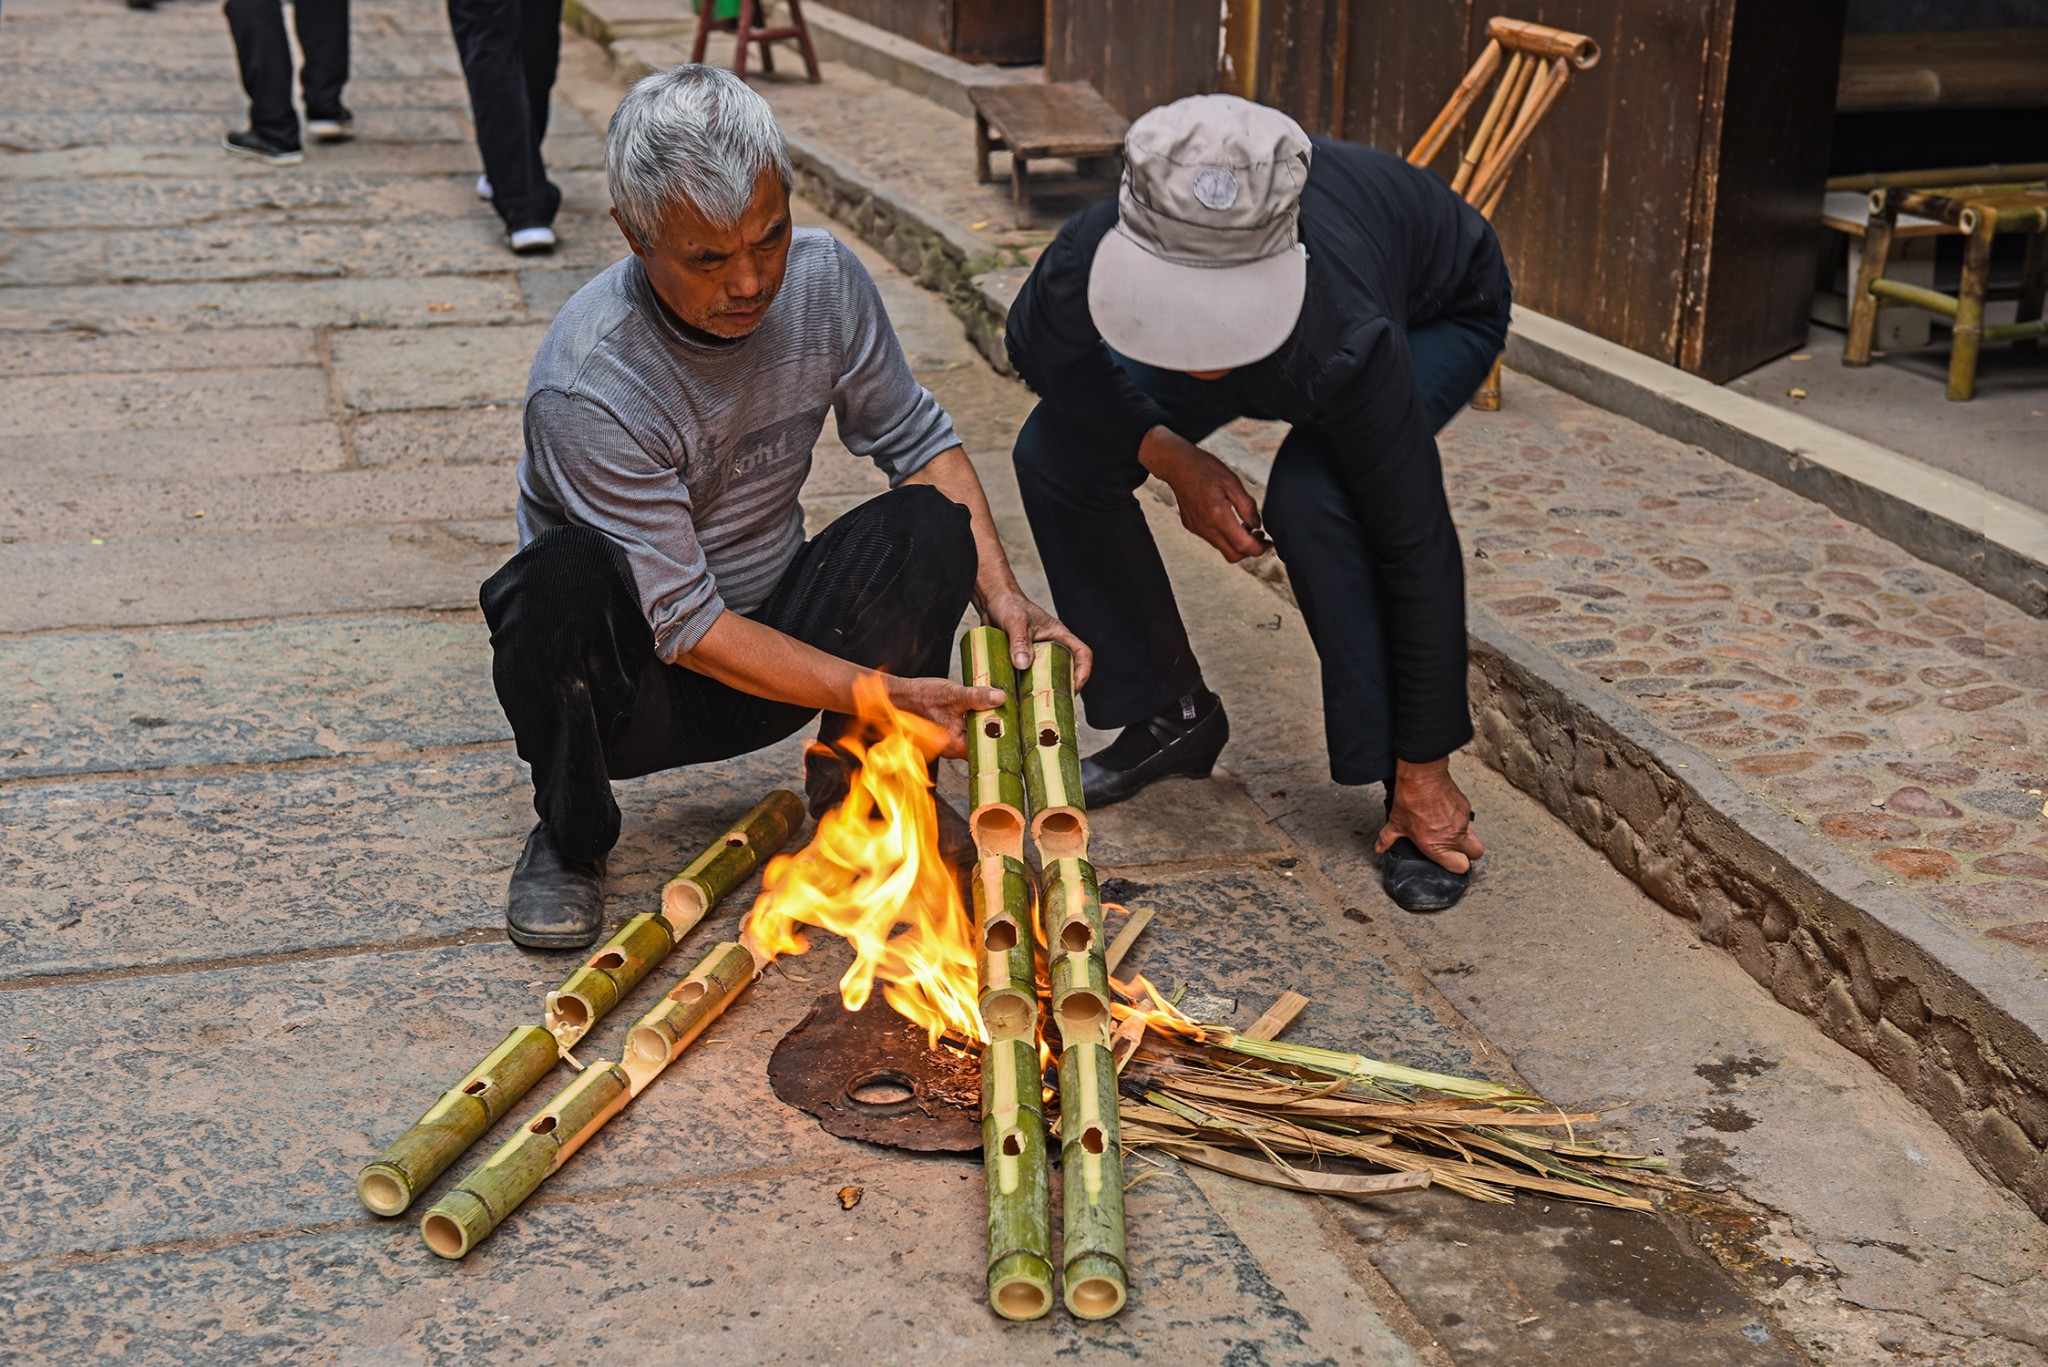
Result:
{"points": [[724, 9]]}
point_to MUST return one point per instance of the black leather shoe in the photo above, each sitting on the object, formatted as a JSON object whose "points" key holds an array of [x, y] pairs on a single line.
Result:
{"points": [[1178, 750], [1418, 883], [554, 903]]}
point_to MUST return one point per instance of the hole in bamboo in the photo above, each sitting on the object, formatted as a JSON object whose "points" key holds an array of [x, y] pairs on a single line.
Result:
{"points": [[689, 991], [1006, 1015], [648, 1046], [1092, 1139], [1023, 1300], [1049, 737], [1013, 1144], [993, 728], [999, 829], [1076, 937], [1000, 936], [443, 1235], [885, 1091], [573, 1011], [1062, 834], [477, 1088], [683, 902], [1095, 1297], [609, 960], [545, 1125], [1079, 1012], [383, 1193], [735, 842]]}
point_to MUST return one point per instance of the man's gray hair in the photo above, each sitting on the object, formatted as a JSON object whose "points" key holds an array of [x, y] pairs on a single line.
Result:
{"points": [[695, 135]]}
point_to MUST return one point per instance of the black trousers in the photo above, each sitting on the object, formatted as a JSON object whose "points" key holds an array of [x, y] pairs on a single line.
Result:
{"points": [[265, 56], [1109, 584], [573, 657], [510, 49]]}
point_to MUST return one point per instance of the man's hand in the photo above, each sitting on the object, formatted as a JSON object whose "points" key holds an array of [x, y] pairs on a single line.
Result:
{"points": [[1026, 624], [1429, 809], [945, 705], [1212, 499]]}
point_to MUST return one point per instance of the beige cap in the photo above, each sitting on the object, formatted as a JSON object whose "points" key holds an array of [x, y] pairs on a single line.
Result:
{"points": [[1204, 270]]}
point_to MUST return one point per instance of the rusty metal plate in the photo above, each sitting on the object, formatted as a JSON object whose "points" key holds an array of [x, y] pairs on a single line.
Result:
{"points": [[869, 1075]]}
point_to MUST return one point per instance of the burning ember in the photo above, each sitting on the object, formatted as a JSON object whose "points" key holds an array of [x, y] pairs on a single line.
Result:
{"points": [[873, 876]]}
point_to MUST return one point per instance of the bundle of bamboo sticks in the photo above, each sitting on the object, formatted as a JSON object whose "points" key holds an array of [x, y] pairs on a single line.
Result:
{"points": [[460, 1116]]}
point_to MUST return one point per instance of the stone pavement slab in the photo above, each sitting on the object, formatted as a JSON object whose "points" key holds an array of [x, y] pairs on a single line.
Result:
{"points": [[491, 435], [65, 458], [91, 352], [332, 303], [270, 396], [383, 369]]}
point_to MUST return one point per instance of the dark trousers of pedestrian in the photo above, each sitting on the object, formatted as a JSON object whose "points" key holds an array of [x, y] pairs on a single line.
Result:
{"points": [[265, 56], [573, 658], [1109, 584], [510, 49]]}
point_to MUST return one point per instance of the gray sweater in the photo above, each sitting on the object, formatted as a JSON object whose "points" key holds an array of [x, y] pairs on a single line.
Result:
{"points": [[691, 454]]}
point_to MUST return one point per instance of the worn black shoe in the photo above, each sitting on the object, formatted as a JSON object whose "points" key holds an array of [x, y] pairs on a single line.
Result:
{"points": [[1181, 742], [1418, 883], [338, 126], [248, 144], [553, 903]]}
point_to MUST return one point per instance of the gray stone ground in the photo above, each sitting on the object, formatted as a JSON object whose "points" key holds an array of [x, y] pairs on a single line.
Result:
{"points": [[257, 806]]}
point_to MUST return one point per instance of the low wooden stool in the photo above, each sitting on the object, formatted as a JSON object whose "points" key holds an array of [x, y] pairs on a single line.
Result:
{"points": [[1030, 121], [748, 26], [1981, 211]]}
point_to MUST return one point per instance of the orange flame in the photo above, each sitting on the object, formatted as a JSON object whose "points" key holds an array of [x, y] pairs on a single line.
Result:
{"points": [[872, 875]]}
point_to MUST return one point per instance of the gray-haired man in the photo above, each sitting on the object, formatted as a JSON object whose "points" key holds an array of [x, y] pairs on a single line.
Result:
{"points": [[664, 608]]}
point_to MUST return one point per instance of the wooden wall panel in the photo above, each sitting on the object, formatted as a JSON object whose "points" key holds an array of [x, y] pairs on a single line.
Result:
{"points": [[921, 21], [1137, 55], [1398, 75]]}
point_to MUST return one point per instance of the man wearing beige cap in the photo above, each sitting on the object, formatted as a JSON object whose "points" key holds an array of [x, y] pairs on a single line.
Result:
{"points": [[1247, 269]]}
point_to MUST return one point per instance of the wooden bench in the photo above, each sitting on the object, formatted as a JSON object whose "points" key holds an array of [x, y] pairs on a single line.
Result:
{"points": [[1031, 121]]}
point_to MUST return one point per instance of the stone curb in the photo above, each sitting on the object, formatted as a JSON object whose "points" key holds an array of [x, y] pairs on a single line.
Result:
{"points": [[1997, 544], [909, 66], [1953, 1029]]}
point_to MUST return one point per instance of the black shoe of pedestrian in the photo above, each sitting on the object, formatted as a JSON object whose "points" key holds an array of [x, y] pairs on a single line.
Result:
{"points": [[1181, 742], [262, 149], [553, 903], [339, 126], [1418, 883], [141, 4]]}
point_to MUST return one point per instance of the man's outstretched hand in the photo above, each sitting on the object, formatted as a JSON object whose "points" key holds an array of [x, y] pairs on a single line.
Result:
{"points": [[1026, 624], [945, 705], [1429, 810], [1213, 501]]}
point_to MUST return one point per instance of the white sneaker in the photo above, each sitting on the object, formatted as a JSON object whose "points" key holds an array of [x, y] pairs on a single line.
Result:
{"points": [[330, 130], [483, 187], [531, 241]]}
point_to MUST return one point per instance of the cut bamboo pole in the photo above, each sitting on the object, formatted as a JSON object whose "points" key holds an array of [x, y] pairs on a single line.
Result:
{"points": [[461, 1219], [1018, 1185], [995, 758], [1461, 102], [1002, 920], [454, 1122], [614, 970], [1482, 136], [1092, 1181], [1052, 759], [728, 863], [1071, 907], [1486, 189]]}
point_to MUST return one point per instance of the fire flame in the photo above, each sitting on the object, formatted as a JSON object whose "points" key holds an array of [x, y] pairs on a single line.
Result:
{"points": [[872, 875]]}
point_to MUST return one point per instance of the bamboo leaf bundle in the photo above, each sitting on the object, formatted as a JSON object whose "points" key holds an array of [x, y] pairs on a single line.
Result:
{"points": [[995, 760], [1052, 761], [478, 1204], [459, 1118]]}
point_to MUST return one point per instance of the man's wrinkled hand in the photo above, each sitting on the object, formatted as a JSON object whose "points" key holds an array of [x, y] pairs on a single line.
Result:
{"points": [[1213, 501], [1431, 811], [943, 705], [1026, 624]]}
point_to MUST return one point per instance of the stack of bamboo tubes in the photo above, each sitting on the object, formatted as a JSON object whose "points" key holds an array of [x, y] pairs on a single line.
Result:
{"points": [[460, 1219], [1026, 751]]}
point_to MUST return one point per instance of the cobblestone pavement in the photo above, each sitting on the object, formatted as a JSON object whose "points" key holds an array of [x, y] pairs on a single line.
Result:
{"points": [[257, 806]]}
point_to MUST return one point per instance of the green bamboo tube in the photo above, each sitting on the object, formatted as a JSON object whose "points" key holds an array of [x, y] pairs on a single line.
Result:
{"points": [[730, 859], [454, 1122], [1002, 923], [1092, 1183], [616, 969], [1017, 1181], [995, 757], [691, 1005], [1074, 947], [459, 1221], [1052, 763]]}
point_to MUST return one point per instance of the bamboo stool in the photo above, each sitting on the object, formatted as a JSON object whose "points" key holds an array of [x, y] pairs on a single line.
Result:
{"points": [[1533, 63], [749, 27], [1983, 212]]}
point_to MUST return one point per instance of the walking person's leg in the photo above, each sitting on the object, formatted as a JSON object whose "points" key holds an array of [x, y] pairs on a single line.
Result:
{"points": [[322, 26], [488, 35], [264, 55]]}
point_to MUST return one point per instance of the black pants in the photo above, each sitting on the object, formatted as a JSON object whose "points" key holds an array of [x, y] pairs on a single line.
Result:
{"points": [[574, 663], [510, 49], [266, 60], [1109, 584]]}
